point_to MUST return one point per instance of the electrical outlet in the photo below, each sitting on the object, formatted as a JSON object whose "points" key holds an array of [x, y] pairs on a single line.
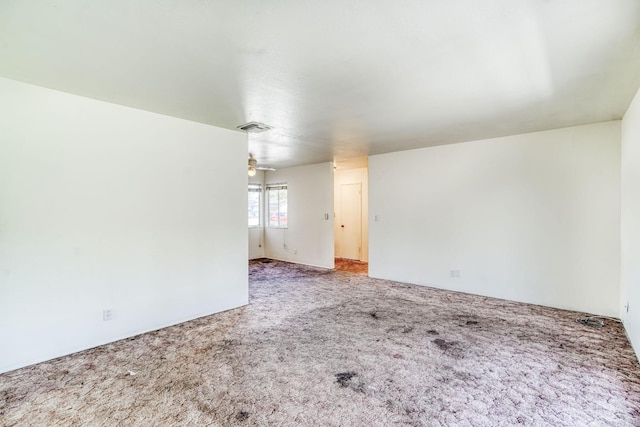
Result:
{"points": [[107, 314], [455, 273], [295, 252]]}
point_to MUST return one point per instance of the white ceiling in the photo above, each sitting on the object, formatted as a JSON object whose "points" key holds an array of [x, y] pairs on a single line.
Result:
{"points": [[337, 79]]}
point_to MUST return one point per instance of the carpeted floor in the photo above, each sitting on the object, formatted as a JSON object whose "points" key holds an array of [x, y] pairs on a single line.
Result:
{"points": [[325, 348], [352, 266]]}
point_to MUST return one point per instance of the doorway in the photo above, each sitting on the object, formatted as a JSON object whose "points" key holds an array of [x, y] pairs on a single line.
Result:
{"points": [[350, 234], [351, 228]]}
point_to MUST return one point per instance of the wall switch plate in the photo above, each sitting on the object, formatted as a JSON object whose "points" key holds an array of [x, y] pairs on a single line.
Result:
{"points": [[107, 314]]}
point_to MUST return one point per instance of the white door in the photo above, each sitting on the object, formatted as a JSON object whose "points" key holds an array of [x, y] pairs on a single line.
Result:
{"points": [[350, 220]]}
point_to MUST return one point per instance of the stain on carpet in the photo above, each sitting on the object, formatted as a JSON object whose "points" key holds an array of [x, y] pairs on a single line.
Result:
{"points": [[343, 378], [242, 416], [348, 380], [442, 344]]}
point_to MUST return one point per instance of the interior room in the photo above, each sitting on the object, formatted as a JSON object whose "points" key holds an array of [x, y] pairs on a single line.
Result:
{"points": [[443, 205]]}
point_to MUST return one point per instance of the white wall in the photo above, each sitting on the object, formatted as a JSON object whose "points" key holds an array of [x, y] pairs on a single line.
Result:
{"points": [[309, 237], [630, 228], [352, 176], [256, 234], [103, 206], [532, 218]]}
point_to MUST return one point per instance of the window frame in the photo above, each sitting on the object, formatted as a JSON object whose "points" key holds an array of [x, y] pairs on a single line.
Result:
{"points": [[255, 188], [276, 187]]}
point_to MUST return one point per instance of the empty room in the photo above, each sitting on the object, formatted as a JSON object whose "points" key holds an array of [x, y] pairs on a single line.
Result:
{"points": [[319, 213]]}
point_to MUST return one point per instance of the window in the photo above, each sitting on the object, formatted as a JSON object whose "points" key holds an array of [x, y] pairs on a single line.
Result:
{"points": [[255, 193], [277, 205]]}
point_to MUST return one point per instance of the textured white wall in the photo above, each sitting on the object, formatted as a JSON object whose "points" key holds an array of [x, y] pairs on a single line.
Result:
{"points": [[309, 238], [103, 206], [256, 234], [532, 218], [630, 229], [352, 176]]}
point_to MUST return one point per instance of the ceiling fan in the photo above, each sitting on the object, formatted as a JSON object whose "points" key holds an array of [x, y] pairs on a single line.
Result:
{"points": [[253, 166]]}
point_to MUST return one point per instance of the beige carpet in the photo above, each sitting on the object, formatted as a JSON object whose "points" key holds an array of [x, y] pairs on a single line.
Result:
{"points": [[326, 348]]}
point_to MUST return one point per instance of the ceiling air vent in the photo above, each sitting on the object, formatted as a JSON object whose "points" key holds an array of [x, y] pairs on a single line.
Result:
{"points": [[254, 127]]}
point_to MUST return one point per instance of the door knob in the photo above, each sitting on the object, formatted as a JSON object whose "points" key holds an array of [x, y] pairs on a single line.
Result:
{"points": [[342, 226]]}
